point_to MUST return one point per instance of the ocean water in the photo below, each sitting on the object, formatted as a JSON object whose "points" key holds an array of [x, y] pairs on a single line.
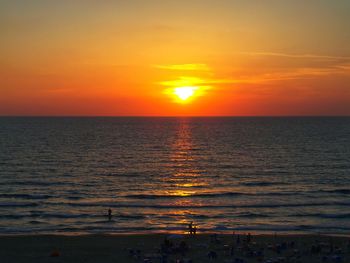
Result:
{"points": [[61, 175]]}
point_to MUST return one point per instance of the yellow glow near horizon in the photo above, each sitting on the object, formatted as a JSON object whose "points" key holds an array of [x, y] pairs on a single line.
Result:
{"points": [[185, 89], [184, 93]]}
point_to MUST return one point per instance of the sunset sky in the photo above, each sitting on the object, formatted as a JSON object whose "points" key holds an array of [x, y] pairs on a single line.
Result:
{"points": [[236, 57]]}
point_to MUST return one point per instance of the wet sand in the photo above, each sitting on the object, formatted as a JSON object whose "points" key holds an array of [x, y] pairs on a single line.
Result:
{"points": [[149, 248]]}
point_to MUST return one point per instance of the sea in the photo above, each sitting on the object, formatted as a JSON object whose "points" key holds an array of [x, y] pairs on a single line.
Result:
{"points": [[61, 175]]}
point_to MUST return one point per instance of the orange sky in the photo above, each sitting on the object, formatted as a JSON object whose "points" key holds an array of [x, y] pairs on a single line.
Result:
{"points": [[126, 57]]}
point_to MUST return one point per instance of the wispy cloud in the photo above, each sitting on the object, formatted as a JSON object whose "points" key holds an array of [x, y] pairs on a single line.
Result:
{"points": [[345, 67], [185, 67], [200, 82], [260, 76], [184, 81], [300, 73], [305, 56]]}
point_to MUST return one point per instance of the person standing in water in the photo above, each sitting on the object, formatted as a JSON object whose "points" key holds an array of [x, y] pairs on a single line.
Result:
{"points": [[109, 214]]}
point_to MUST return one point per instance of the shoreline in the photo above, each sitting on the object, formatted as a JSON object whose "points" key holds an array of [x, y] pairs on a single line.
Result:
{"points": [[148, 248], [200, 233]]}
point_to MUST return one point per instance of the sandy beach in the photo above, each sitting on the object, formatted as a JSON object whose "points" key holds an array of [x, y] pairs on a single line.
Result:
{"points": [[174, 248]]}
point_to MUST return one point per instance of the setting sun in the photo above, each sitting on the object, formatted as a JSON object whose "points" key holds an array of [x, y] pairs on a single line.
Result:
{"points": [[184, 93]]}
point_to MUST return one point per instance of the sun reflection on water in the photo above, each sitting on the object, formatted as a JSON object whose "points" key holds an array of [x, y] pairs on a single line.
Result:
{"points": [[186, 179]]}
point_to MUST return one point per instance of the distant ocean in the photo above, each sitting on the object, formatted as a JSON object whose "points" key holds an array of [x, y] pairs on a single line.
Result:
{"points": [[61, 175]]}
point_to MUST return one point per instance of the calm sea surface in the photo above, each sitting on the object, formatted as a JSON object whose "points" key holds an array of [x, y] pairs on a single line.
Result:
{"points": [[61, 175]]}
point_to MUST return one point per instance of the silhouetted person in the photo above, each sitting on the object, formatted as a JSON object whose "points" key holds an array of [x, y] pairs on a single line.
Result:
{"points": [[183, 247], [190, 228], [194, 230], [212, 254], [249, 238], [214, 239], [109, 214], [167, 245]]}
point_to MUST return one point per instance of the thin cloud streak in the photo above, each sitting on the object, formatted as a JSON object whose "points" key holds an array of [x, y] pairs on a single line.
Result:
{"points": [[306, 56], [299, 73], [189, 67]]}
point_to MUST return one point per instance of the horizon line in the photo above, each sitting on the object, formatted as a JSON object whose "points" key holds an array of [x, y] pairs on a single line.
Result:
{"points": [[170, 116]]}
